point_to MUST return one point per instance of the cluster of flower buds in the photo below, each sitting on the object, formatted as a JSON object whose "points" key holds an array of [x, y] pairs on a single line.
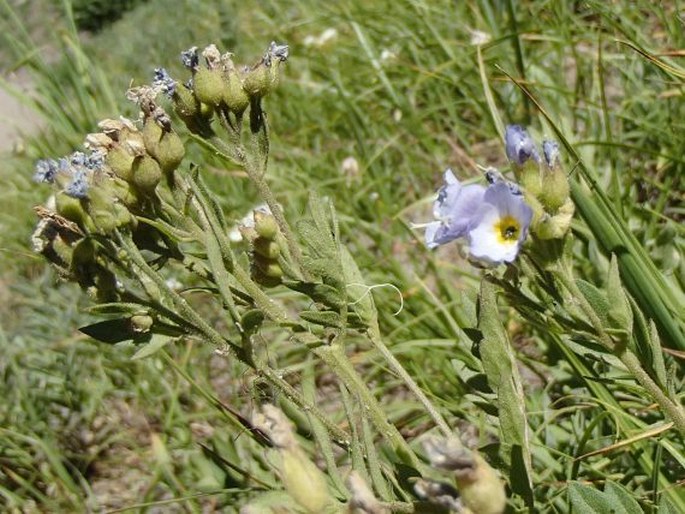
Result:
{"points": [[266, 250], [478, 488], [218, 84], [101, 191], [544, 182]]}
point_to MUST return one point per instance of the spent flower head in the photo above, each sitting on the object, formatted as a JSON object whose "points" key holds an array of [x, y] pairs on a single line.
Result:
{"points": [[163, 82], [494, 220]]}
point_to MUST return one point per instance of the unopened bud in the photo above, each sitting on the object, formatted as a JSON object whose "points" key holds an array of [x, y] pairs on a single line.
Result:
{"points": [[170, 151], [146, 173], [267, 248], [152, 133], [555, 190], [185, 103], [302, 480], [141, 323], [480, 489], [69, 208], [265, 225], [120, 160], [208, 86], [555, 226]]}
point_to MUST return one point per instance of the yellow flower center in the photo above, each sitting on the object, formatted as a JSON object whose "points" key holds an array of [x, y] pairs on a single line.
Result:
{"points": [[507, 229]]}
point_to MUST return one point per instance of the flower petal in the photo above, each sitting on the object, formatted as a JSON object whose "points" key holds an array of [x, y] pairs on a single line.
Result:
{"points": [[507, 203], [486, 244]]}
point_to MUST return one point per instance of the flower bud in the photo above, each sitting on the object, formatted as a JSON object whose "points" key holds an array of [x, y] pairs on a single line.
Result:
{"points": [[170, 151], [208, 86], [152, 133], [555, 226], [480, 489], [265, 225], [146, 173], [263, 77], [185, 103], [120, 160], [69, 208], [267, 248], [105, 210], [302, 480], [235, 97], [141, 323], [64, 251], [555, 190]]}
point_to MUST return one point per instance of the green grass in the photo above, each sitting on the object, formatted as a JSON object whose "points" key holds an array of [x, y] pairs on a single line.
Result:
{"points": [[84, 425]]}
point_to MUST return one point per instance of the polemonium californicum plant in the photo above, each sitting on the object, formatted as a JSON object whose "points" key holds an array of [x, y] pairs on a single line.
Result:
{"points": [[129, 216]]}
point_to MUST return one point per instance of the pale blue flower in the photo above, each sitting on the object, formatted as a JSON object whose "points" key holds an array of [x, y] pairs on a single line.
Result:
{"points": [[550, 150], [502, 226], [45, 171], [494, 220], [519, 145], [455, 209]]}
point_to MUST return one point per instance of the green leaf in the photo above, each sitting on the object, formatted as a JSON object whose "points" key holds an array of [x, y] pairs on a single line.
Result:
{"points": [[322, 293], [499, 364], [618, 495], [620, 314], [157, 342], [110, 331], [588, 500], [325, 318], [116, 308], [357, 290], [596, 298], [251, 320], [666, 507]]}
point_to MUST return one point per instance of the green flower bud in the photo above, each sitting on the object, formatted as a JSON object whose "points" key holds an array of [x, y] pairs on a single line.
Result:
{"points": [[106, 286], [555, 227], [120, 160], [141, 323], [185, 103], [170, 151], [152, 133], [208, 85], [269, 269], [259, 81], [126, 193], [267, 248], [234, 95], [263, 77], [480, 488], [83, 255], [105, 210], [265, 225], [555, 190], [70, 208], [303, 481], [530, 178], [146, 173], [63, 250]]}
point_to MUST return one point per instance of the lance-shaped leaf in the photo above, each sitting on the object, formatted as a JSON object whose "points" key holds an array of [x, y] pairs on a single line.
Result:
{"points": [[499, 363]]}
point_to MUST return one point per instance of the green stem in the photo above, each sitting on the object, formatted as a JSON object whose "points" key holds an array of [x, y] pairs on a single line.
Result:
{"points": [[341, 437], [671, 408], [375, 336], [338, 362]]}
